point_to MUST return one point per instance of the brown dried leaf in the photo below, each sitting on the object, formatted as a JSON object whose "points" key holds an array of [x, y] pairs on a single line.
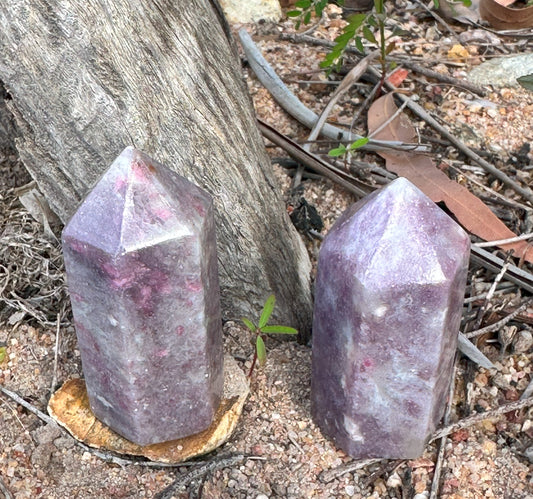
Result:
{"points": [[501, 17], [469, 210], [70, 408]]}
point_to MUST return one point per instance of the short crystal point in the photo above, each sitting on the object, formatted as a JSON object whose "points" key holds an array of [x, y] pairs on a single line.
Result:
{"points": [[140, 257], [388, 303]]}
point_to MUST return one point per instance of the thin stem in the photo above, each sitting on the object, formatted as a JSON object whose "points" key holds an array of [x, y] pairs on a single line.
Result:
{"points": [[253, 365]]}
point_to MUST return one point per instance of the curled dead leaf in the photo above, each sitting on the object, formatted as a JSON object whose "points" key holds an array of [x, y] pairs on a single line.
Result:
{"points": [[474, 215], [70, 408]]}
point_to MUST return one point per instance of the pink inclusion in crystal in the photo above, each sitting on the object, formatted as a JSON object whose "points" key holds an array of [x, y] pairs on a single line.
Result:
{"points": [[162, 213]]}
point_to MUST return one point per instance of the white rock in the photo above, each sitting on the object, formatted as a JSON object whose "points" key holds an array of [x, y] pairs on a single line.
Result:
{"points": [[237, 11]]}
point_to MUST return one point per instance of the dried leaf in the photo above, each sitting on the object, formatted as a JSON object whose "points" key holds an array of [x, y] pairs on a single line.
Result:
{"points": [[501, 17], [469, 210], [397, 76], [70, 408]]}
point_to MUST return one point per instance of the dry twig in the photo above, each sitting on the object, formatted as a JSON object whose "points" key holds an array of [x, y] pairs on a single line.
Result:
{"points": [[329, 475], [501, 322], [352, 77], [477, 418]]}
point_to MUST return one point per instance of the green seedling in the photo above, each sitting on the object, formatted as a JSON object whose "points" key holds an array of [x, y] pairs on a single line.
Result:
{"points": [[261, 329], [343, 149]]}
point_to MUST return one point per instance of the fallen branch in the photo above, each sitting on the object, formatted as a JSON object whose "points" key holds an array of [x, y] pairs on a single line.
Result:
{"points": [[290, 103]]}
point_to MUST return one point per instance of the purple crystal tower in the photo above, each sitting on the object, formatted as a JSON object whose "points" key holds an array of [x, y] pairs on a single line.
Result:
{"points": [[140, 256], [388, 303]]}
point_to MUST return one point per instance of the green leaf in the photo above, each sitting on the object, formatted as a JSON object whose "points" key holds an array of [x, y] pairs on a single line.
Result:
{"points": [[367, 33], [319, 7], [359, 44], [338, 151], [294, 13], [526, 81], [436, 3], [279, 330], [359, 143], [249, 324], [3, 354], [307, 17], [303, 4], [267, 311], [390, 47], [342, 40], [355, 22], [397, 31], [260, 350], [372, 21]]}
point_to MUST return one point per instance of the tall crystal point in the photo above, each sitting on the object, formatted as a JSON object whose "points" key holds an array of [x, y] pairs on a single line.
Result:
{"points": [[140, 255], [388, 302]]}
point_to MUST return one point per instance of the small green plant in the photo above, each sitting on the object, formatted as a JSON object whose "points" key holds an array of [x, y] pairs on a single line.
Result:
{"points": [[369, 26], [342, 149], [261, 329], [304, 9]]}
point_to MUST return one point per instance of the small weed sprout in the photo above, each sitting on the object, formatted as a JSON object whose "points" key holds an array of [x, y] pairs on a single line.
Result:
{"points": [[261, 329]]}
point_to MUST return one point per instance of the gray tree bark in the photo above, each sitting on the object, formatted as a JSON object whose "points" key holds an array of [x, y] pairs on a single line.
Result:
{"points": [[88, 78]]}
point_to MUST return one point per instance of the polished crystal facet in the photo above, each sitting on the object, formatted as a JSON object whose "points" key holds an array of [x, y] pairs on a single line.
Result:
{"points": [[140, 255], [388, 303]]}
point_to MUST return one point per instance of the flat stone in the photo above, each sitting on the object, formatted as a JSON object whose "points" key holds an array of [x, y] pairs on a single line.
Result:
{"points": [[388, 304], [140, 257], [502, 71]]}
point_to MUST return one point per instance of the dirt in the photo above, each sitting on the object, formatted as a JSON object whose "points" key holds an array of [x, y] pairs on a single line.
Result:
{"points": [[277, 450]]}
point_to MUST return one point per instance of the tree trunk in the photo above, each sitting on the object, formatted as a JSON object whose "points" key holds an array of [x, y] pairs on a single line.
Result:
{"points": [[88, 78]]}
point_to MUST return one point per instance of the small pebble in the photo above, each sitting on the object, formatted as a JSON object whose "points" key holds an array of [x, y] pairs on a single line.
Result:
{"points": [[523, 341]]}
